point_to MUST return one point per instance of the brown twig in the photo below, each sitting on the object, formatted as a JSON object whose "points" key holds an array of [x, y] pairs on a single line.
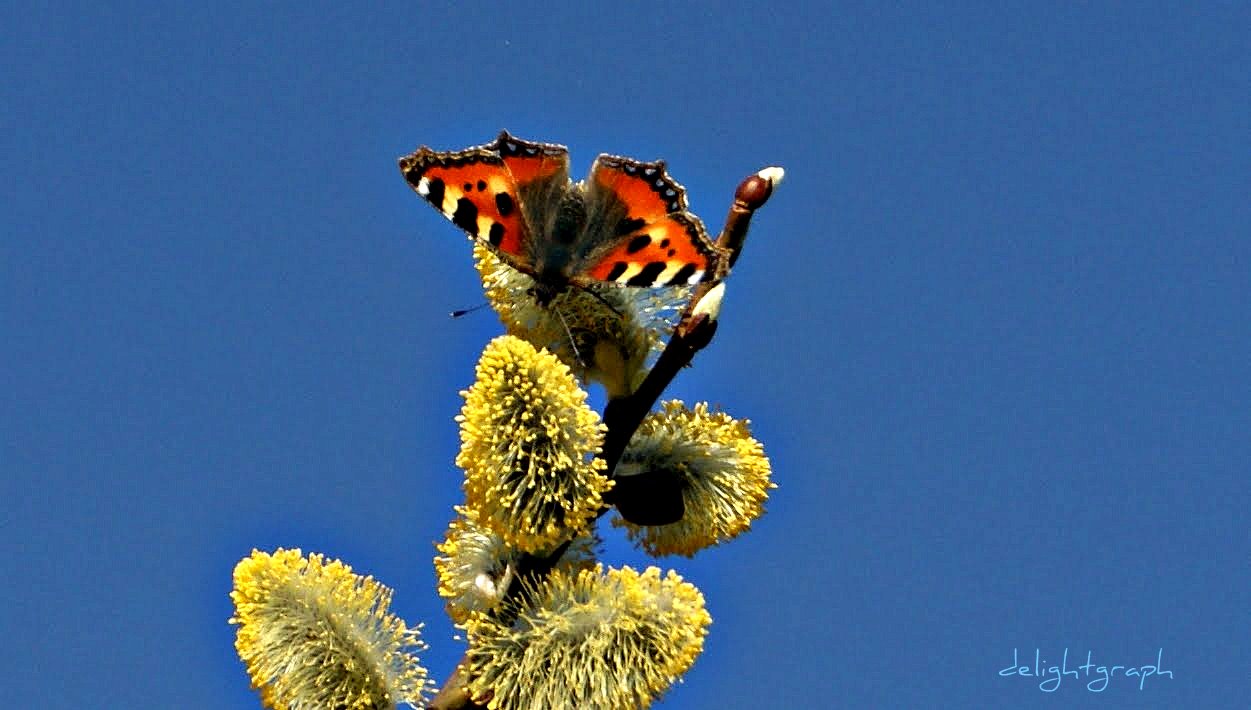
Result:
{"points": [[653, 498], [644, 499]]}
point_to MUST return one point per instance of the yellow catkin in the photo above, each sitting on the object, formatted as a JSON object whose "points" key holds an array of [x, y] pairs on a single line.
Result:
{"points": [[528, 445], [590, 640], [314, 635], [725, 476]]}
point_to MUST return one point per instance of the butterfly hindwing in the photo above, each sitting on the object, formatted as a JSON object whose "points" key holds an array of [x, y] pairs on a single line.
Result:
{"points": [[666, 252], [475, 189], [637, 230]]}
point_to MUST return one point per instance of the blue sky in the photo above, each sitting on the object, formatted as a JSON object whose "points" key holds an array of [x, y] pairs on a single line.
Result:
{"points": [[993, 330]]}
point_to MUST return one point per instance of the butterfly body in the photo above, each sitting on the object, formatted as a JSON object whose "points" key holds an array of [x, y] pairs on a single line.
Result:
{"points": [[626, 224]]}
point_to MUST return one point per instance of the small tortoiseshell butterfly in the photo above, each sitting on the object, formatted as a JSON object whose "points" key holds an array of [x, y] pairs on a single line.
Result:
{"points": [[625, 224]]}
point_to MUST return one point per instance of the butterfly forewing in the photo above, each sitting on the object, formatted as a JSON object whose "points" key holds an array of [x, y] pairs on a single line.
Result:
{"points": [[475, 189]]}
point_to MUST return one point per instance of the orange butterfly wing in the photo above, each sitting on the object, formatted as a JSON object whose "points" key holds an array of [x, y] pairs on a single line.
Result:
{"points": [[477, 191], [656, 242]]}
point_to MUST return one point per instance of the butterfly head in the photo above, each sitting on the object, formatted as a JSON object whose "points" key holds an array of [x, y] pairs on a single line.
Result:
{"points": [[547, 289]]}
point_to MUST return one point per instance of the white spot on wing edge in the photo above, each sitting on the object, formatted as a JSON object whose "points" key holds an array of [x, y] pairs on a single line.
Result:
{"points": [[423, 187], [695, 277]]}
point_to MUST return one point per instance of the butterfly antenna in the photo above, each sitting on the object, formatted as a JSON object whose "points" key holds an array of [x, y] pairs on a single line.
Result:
{"points": [[569, 333], [466, 311]]}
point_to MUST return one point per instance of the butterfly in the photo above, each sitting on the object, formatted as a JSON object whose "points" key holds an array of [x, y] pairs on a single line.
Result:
{"points": [[626, 224]]}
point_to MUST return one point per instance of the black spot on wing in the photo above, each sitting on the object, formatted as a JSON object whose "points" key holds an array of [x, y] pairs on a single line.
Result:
{"points": [[638, 243], [684, 274], [466, 216], [481, 185], [628, 225], [496, 235], [617, 270], [434, 192], [504, 203], [647, 277]]}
